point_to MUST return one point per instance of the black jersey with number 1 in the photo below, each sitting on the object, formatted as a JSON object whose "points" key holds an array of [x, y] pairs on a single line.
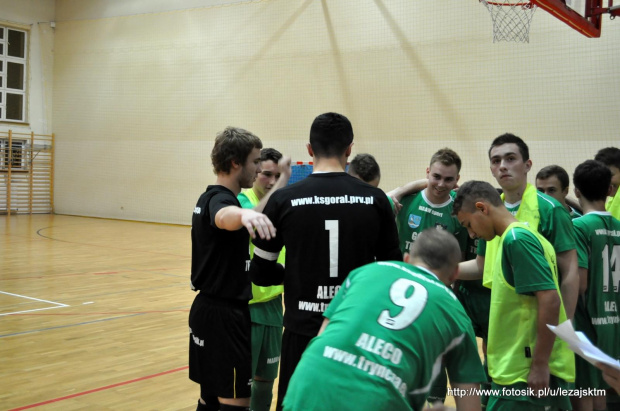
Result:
{"points": [[330, 223]]}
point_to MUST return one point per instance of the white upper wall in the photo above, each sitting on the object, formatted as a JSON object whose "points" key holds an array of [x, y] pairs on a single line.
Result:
{"points": [[27, 11], [67, 10]]}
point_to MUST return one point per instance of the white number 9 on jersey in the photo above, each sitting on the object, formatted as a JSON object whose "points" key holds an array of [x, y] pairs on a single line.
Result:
{"points": [[411, 301]]}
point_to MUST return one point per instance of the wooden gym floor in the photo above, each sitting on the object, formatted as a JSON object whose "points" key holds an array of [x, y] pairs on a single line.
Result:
{"points": [[93, 314]]}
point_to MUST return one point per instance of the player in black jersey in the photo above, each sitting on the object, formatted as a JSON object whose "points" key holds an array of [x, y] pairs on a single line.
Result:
{"points": [[220, 357], [330, 223]]}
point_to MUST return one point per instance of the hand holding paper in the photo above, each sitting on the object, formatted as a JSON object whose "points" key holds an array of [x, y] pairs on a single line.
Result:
{"points": [[579, 343]]}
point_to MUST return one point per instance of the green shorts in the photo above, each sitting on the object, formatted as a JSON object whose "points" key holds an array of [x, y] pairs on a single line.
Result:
{"points": [[476, 301], [266, 347], [587, 375]]}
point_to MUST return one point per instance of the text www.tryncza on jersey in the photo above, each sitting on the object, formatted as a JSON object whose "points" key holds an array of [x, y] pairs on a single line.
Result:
{"points": [[377, 346]]}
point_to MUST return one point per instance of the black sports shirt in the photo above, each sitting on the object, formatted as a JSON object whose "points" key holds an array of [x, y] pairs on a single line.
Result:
{"points": [[330, 223], [220, 258]]}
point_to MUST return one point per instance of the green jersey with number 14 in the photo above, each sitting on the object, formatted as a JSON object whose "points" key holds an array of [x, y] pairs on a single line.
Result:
{"points": [[598, 250], [391, 326]]}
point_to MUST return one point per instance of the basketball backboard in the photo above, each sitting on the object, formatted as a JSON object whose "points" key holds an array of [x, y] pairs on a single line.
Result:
{"points": [[583, 16], [577, 5]]}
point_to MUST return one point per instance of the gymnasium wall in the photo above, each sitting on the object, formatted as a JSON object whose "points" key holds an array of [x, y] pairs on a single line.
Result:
{"points": [[140, 91]]}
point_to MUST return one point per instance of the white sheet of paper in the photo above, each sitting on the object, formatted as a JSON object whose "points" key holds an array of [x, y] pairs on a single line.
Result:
{"points": [[579, 343]]}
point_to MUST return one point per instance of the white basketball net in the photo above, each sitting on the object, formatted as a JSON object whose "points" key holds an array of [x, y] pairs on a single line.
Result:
{"points": [[511, 19]]}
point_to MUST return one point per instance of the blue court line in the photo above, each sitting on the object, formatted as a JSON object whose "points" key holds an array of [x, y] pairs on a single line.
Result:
{"points": [[70, 325]]}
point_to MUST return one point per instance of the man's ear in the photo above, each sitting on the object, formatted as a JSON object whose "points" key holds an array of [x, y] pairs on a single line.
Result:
{"points": [[482, 206], [578, 193], [454, 275], [309, 148], [234, 165], [407, 258], [349, 149], [528, 165]]}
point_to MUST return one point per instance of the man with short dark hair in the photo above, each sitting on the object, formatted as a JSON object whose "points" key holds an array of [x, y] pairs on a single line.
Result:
{"points": [[510, 163], [219, 319], [330, 224], [524, 357], [598, 249], [365, 167], [553, 181]]}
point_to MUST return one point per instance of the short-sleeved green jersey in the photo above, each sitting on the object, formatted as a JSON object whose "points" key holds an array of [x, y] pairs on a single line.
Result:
{"points": [[525, 270], [598, 250], [523, 263], [573, 213], [555, 224], [391, 326], [418, 214]]}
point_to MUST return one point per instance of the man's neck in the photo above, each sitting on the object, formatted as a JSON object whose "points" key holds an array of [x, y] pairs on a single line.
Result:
{"points": [[229, 181], [433, 198], [514, 196], [590, 206], [503, 220], [257, 193], [329, 164]]}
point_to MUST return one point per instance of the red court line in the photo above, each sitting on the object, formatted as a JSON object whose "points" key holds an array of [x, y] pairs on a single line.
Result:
{"points": [[107, 387]]}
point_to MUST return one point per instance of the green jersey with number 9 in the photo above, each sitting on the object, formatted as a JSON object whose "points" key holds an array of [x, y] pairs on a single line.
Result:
{"points": [[391, 326]]}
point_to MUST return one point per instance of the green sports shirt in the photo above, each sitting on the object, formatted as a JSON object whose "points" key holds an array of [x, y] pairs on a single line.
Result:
{"points": [[526, 265], [391, 326], [574, 213], [418, 214], [598, 251]]}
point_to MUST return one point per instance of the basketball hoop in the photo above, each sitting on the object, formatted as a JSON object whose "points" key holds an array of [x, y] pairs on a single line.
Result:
{"points": [[511, 19]]}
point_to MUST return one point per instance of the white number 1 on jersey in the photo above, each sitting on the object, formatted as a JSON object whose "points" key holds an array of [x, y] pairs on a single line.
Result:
{"points": [[332, 227]]}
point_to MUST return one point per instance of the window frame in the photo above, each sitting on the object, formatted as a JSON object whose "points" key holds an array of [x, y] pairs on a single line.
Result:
{"points": [[13, 156], [5, 59]]}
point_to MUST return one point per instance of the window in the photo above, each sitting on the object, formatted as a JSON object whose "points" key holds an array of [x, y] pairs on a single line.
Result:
{"points": [[12, 74], [14, 156]]}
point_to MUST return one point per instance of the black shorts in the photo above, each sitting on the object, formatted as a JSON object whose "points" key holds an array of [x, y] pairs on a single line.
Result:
{"points": [[293, 346], [220, 349]]}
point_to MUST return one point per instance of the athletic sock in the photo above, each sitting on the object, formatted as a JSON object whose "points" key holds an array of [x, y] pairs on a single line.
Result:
{"points": [[262, 395]]}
